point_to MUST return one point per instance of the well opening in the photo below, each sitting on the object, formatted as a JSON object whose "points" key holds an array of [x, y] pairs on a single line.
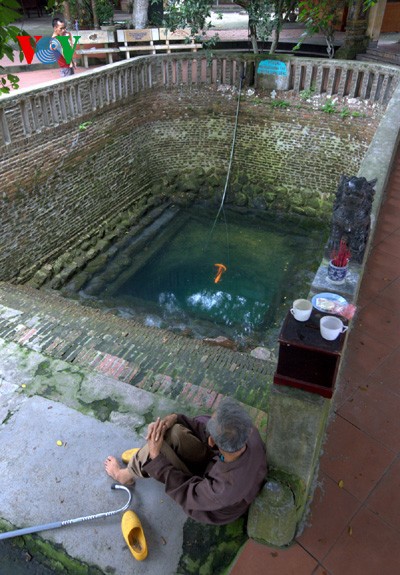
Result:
{"points": [[166, 275]]}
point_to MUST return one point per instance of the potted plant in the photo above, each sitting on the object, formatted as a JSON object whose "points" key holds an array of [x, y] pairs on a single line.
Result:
{"points": [[338, 265], [105, 14]]}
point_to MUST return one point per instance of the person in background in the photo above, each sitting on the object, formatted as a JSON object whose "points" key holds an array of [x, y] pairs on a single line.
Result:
{"points": [[60, 29], [213, 467]]}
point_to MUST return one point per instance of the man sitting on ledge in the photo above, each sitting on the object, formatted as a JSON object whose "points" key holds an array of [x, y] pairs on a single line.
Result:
{"points": [[213, 467]]}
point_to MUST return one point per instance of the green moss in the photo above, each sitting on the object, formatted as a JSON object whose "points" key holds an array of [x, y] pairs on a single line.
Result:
{"points": [[44, 369], [254, 397], [191, 566], [101, 408], [210, 549], [294, 483], [235, 529], [46, 557], [49, 391]]}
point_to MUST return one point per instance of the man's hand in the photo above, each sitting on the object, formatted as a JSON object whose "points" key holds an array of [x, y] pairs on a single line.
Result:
{"points": [[170, 420], [155, 437]]}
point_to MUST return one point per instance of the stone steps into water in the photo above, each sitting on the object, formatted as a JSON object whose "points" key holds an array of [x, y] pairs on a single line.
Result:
{"points": [[152, 359]]}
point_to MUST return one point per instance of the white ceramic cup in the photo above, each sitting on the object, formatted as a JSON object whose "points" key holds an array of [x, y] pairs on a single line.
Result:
{"points": [[301, 309], [331, 327]]}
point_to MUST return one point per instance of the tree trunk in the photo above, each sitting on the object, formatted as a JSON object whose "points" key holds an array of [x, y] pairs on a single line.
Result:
{"points": [[253, 37], [330, 46], [355, 40], [278, 27], [67, 12], [96, 24], [275, 40], [140, 13]]}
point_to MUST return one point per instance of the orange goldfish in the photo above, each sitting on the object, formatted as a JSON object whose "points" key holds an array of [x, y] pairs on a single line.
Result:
{"points": [[221, 270]]}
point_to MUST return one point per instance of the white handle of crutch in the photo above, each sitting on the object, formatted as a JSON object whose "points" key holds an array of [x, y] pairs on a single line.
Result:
{"points": [[56, 524]]}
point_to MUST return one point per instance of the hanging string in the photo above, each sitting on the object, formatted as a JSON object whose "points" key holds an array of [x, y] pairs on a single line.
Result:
{"points": [[222, 267], [242, 76]]}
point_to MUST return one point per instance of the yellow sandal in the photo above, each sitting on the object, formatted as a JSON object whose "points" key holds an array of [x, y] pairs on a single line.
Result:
{"points": [[132, 531], [128, 454]]}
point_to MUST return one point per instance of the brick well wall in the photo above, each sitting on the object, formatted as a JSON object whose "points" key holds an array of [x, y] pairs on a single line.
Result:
{"points": [[66, 183]]}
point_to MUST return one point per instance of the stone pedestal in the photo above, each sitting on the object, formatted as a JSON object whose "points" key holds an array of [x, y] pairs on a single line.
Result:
{"points": [[272, 516]]}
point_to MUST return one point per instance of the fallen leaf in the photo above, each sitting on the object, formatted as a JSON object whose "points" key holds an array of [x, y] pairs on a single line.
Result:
{"points": [[163, 541], [23, 385], [350, 530], [59, 442], [341, 484]]}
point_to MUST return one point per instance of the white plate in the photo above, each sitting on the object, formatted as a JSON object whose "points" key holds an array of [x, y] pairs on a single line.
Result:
{"points": [[326, 301]]}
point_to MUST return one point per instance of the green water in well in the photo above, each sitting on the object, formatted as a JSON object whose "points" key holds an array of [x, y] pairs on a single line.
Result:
{"points": [[269, 262]]}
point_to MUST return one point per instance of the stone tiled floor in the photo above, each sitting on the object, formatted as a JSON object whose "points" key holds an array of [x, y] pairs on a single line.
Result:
{"points": [[354, 527]]}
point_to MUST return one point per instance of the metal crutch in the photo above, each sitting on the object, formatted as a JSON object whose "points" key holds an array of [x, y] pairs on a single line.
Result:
{"points": [[56, 524]]}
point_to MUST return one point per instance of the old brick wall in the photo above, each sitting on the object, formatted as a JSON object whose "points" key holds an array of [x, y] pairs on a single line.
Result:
{"points": [[67, 182]]}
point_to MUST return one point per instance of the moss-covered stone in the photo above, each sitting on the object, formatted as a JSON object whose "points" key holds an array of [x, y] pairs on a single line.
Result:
{"points": [[272, 516], [241, 199], [305, 211], [269, 196], [44, 557], [210, 549], [258, 203], [183, 199], [101, 408], [293, 414]]}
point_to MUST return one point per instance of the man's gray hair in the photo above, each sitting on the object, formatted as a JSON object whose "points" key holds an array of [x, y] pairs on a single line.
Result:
{"points": [[230, 426]]}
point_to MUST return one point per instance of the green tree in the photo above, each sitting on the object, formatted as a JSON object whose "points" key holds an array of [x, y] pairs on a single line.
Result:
{"points": [[283, 10], [266, 17], [322, 17], [88, 13], [9, 13], [191, 13]]}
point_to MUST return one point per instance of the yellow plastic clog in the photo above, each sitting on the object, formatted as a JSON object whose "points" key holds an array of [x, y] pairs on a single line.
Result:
{"points": [[132, 531], [128, 454]]}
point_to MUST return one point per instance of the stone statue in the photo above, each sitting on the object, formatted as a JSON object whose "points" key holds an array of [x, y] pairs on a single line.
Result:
{"points": [[351, 217]]}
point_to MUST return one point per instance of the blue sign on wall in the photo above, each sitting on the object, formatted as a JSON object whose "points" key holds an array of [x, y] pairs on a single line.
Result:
{"points": [[275, 67]]}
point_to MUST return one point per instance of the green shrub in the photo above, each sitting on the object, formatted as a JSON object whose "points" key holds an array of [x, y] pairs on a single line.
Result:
{"points": [[306, 94], [329, 107], [280, 104]]}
